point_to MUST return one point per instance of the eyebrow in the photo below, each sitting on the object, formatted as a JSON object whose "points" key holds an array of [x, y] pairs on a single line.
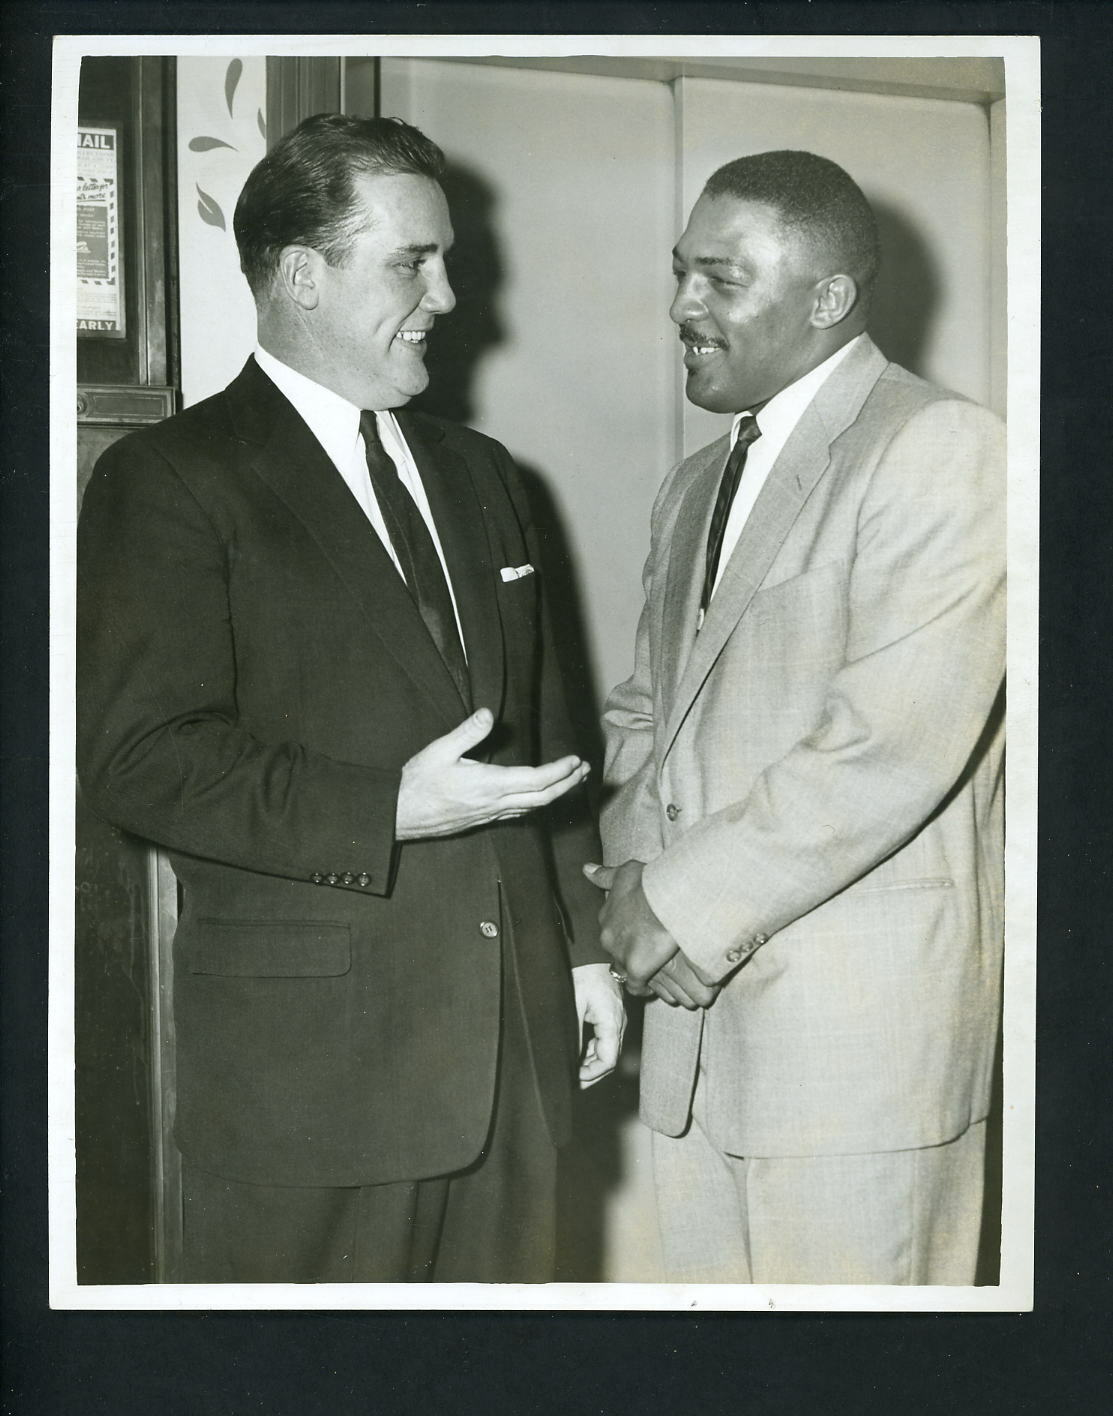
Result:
{"points": [[430, 248], [705, 261]]}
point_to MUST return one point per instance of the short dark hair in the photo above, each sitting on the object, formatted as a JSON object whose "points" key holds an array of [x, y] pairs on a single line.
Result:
{"points": [[302, 192], [814, 196]]}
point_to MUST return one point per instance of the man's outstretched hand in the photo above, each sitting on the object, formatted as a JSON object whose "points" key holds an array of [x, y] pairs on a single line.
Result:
{"points": [[444, 792]]}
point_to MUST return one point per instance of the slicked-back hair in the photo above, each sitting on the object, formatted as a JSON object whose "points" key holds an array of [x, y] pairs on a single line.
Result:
{"points": [[302, 193], [815, 198]]}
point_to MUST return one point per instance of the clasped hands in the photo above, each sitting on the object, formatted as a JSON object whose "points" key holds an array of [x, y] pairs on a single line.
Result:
{"points": [[640, 945]]}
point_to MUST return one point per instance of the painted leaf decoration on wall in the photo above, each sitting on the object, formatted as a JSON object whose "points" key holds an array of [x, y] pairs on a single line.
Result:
{"points": [[231, 79], [209, 210], [207, 144], [262, 125]]}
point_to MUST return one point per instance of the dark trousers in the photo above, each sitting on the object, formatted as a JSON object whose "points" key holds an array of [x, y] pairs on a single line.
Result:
{"points": [[493, 1222]]}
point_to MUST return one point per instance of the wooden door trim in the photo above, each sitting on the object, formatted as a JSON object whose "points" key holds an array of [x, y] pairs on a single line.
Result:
{"points": [[298, 87]]}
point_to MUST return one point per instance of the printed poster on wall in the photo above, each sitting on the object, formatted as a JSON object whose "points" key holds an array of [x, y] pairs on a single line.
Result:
{"points": [[100, 289]]}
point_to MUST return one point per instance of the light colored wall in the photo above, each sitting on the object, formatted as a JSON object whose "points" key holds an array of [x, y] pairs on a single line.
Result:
{"points": [[573, 376], [998, 266], [221, 112]]}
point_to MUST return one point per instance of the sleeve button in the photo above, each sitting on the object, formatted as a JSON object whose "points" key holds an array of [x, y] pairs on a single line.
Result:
{"points": [[317, 877], [733, 955], [332, 879], [759, 940], [348, 878], [364, 879]]}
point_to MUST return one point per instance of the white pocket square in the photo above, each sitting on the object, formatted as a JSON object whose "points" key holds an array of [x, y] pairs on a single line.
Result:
{"points": [[515, 572]]}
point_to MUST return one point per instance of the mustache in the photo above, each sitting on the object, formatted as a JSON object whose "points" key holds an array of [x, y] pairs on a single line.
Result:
{"points": [[690, 335]]}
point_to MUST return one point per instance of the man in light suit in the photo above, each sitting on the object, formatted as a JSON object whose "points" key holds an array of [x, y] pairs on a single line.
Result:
{"points": [[315, 663], [804, 844]]}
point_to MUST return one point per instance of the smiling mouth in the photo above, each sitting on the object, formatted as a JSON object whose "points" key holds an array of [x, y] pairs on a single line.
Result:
{"points": [[695, 353], [699, 346], [413, 337]]}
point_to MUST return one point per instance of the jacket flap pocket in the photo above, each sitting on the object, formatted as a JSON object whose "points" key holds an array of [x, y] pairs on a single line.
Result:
{"points": [[819, 585], [270, 948]]}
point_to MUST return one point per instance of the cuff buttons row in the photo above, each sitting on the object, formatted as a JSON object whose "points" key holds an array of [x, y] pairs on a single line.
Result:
{"points": [[362, 879], [735, 956]]}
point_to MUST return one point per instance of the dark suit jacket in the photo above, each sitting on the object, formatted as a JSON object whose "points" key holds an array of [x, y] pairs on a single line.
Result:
{"points": [[252, 676]]}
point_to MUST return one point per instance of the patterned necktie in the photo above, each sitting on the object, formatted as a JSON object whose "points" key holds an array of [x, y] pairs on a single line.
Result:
{"points": [[413, 545], [748, 432]]}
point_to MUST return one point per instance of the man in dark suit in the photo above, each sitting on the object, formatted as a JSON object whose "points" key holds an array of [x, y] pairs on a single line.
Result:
{"points": [[313, 661]]}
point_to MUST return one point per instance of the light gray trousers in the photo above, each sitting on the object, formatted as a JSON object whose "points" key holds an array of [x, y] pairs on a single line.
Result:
{"points": [[896, 1217]]}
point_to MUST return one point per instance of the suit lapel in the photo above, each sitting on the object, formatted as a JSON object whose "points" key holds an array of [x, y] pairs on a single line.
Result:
{"points": [[803, 460], [687, 554], [462, 528], [290, 460]]}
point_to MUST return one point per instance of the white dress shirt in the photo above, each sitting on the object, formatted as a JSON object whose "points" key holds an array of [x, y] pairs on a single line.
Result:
{"points": [[334, 422], [776, 421]]}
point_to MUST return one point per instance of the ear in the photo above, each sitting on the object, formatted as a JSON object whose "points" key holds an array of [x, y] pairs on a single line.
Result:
{"points": [[836, 296], [299, 275]]}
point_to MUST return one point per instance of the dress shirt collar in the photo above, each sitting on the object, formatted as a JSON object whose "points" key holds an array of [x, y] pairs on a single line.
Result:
{"points": [[780, 415], [332, 420]]}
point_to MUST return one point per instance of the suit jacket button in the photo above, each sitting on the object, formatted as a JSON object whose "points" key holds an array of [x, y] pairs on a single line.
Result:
{"points": [[364, 879], [489, 929], [733, 956], [672, 811], [332, 879]]}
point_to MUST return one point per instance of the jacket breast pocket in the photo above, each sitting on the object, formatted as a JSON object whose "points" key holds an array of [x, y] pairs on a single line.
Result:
{"points": [[789, 642], [270, 948], [519, 590], [518, 600], [813, 597]]}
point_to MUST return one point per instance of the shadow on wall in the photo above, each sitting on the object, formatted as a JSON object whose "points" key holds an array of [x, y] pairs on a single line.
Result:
{"points": [[907, 293], [461, 340], [592, 1167], [475, 268]]}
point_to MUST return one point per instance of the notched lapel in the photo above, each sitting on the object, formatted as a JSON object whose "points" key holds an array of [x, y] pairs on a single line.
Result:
{"points": [[290, 460], [684, 579]]}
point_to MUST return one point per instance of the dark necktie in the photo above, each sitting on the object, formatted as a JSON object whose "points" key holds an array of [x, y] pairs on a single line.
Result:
{"points": [[413, 545], [748, 432]]}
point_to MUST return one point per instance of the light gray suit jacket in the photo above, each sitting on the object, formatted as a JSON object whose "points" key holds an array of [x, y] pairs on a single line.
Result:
{"points": [[815, 780]]}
